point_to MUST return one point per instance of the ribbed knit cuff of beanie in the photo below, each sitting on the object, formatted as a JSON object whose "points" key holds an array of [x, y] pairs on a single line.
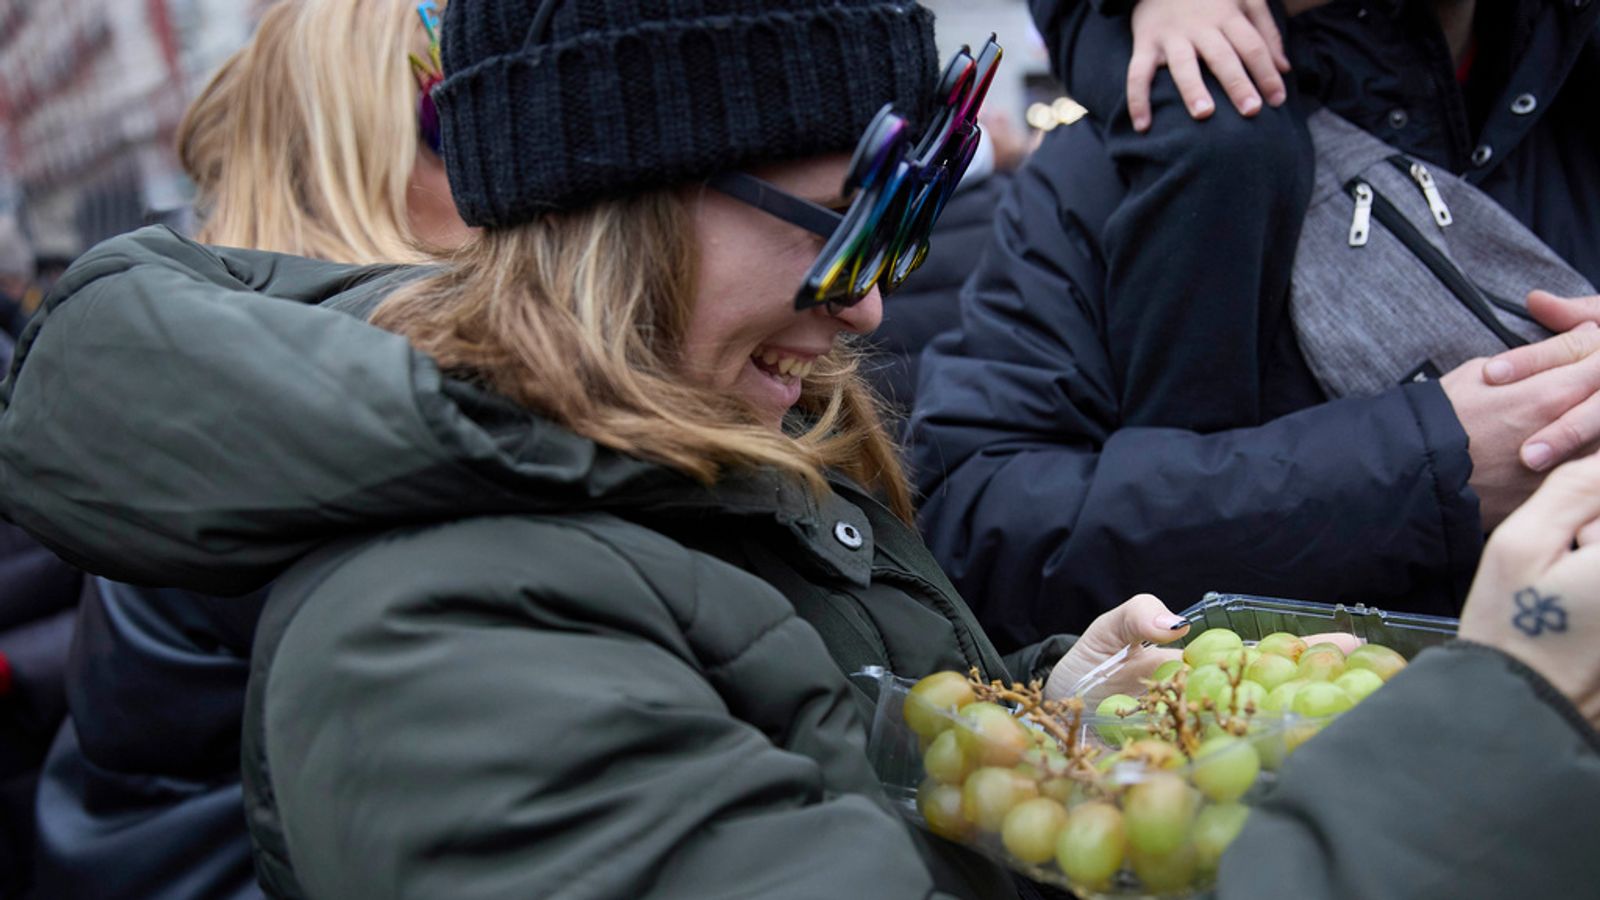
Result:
{"points": [[627, 95]]}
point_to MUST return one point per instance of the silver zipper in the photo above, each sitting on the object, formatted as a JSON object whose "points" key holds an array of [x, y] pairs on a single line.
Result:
{"points": [[1361, 225], [1424, 178]]}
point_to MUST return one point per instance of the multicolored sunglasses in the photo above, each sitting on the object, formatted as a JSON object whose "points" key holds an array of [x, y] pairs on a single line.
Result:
{"points": [[429, 72], [900, 189]]}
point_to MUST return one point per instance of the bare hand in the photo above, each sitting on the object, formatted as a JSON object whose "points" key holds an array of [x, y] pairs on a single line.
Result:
{"points": [[1238, 40], [1535, 596], [1574, 319], [1143, 618], [1555, 397]]}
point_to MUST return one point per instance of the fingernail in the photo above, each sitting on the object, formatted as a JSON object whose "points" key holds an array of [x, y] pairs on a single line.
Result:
{"points": [[1251, 105], [1497, 371], [1537, 456], [1141, 123], [1173, 623], [1202, 106], [1586, 326], [1277, 97]]}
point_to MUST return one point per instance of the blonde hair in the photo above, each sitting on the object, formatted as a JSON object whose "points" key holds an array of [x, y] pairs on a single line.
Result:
{"points": [[580, 316], [305, 140]]}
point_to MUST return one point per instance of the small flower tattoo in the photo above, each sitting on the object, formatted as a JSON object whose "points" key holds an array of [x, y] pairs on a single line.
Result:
{"points": [[1537, 614]]}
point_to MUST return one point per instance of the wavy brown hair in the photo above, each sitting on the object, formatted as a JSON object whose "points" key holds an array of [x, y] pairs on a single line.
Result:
{"points": [[581, 316]]}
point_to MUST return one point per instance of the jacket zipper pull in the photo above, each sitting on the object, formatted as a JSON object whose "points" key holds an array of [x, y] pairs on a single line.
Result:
{"points": [[1362, 223], [1424, 178]]}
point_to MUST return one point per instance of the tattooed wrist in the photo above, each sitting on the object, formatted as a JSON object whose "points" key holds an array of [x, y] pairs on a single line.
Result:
{"points": [[1537, 613]]}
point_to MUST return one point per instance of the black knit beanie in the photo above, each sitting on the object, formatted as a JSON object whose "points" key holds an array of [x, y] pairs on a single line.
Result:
{"points": [[616, 96]]}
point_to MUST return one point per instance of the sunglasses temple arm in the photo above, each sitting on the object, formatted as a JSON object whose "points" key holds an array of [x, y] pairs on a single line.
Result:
{"points": [[815, 218]]}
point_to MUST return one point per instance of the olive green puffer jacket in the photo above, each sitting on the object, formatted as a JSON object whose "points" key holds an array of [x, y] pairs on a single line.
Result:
{"points": [[489, 634], [501, 661]]}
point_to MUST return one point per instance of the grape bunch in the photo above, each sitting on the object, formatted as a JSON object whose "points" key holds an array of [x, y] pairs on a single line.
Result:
{"points": [[1280, 674], [1145, 794]]}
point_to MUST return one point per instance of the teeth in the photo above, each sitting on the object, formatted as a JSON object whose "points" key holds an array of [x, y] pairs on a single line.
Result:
{"points": [[786, 366]]}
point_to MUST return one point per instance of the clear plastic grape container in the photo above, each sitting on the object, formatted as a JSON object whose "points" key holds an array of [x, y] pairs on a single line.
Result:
{"points": [[1135, 784]]}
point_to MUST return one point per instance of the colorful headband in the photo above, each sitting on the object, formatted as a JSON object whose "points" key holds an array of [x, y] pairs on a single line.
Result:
{"points": [[429, 72]]}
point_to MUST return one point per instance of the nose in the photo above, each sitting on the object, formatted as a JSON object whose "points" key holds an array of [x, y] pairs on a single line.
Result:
{"points": [[863, 317]]}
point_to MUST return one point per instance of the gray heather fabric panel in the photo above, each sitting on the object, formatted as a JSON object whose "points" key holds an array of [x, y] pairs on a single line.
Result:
{"points": [[1369, 316]]}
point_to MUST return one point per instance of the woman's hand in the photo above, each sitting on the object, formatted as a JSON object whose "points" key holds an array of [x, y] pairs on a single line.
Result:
{"points": [[1143, 618], [1537, 592], [1573, 319], [1238, 40]]}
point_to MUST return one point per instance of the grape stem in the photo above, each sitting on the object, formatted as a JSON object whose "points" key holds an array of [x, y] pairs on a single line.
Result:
{"points": [[1061, 719]]}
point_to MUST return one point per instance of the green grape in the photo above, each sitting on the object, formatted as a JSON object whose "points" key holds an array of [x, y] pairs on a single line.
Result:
{"points": [[991, 736], [1376, 658], [1281, 698], [1324, 665], [1110, 708], [1208, 645], [940, 805], [1252, 696], [1282, 643], [1157, 754], [1320, 699], [1238, 660], [1167, 669], [1092, 844], [1214, 829], [1205, 683], [1030, 830], [992, 792], [1358, 683], [1061, 790], [1326, 647], [1225, 767], [1044, 762], [944, 762], [1271, 670], [932, 701], [1299, 734], [1172, 870], [1273, 748], [1157, 812]]}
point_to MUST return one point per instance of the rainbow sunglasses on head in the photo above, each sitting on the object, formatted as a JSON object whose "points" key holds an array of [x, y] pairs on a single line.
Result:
{"points": [[429, 72], [900, 189]]}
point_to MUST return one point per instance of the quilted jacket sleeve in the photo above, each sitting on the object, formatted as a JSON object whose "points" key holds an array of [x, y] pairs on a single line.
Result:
{"points": [[1045, 510], [559, 730]]}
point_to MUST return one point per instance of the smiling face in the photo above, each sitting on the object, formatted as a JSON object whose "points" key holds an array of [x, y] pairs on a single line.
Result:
{"points": [[744, 335]]}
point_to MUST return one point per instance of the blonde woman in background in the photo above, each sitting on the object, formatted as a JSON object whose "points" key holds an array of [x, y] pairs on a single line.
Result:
{"points": [[307, 141]]}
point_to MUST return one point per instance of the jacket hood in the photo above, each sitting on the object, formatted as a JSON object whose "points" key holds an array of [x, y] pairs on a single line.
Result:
{"points": [[200, 417]]}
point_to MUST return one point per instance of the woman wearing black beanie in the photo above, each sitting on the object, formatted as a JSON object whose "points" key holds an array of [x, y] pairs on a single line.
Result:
{"points": [[575, 539]]}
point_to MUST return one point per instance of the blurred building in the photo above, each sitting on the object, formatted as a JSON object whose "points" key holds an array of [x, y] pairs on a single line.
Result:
{"points": [[91, 92]]}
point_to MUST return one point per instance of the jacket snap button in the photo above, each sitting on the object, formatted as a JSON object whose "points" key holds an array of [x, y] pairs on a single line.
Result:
{"points": [[848, 535], [1398, 118], [1524, 104], [1482, 155]]}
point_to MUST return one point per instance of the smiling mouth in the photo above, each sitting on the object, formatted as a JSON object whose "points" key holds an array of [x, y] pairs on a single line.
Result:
{"points": [[782, 365]]}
